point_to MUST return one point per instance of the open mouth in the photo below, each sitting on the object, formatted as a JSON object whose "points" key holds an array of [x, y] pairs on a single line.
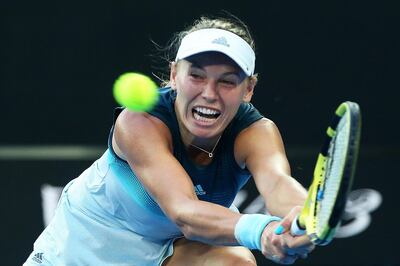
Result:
{"points": [[205, 114]]}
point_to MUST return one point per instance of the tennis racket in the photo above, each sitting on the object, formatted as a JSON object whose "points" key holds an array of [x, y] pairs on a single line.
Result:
{"points": [[333, 177]]}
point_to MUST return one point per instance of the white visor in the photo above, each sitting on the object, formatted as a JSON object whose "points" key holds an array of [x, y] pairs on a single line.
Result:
{"points": [[222, 41]]}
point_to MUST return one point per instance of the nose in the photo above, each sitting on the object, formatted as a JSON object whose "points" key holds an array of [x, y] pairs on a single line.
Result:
{"points": [[209, 92]]}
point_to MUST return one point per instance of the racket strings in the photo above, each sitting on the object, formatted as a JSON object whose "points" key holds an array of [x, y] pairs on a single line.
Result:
{"points": [[334, 167]]}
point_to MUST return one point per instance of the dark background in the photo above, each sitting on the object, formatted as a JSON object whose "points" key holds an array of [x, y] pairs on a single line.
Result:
{"points": [[58, 61]]}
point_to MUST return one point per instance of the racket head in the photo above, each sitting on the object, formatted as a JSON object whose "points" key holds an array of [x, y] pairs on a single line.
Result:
{"points": [[333, 175]]}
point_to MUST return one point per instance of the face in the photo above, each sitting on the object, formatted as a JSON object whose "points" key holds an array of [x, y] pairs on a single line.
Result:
{"points": [[210, 88]]}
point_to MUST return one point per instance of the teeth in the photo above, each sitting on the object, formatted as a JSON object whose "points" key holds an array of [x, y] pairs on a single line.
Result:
{"points": [[202, 118], [206, 111]]}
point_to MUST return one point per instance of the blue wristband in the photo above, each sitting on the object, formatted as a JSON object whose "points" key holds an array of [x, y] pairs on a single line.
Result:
{"points": [[250, 227]]}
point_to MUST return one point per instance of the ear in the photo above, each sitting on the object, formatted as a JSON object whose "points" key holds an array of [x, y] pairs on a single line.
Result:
{"points": [[172, 74], [251, 83]]}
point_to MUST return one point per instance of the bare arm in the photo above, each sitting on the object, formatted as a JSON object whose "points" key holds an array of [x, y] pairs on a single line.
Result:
{"points": [[261, 149], [145, 142]]}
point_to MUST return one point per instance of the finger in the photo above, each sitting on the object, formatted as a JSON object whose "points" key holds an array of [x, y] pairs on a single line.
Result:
{"points": [[275, 250], [301, 252], [287, 259], [304, 256], [284, 225], [294, 242], [294, 246], [297, 241], [301, 241], [286, 222], [291, 252], [272, 246], [290, 259], [276, 258]]}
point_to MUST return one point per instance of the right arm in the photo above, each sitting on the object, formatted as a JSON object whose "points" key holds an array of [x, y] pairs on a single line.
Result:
{"points": [[145, 142]]}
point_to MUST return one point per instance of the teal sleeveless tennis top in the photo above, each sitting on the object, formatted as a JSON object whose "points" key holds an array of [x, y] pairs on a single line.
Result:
{"points": [[217, 182]]}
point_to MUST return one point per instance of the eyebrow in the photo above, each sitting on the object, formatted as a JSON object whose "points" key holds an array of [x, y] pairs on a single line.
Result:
{"points": [[236, 73]]}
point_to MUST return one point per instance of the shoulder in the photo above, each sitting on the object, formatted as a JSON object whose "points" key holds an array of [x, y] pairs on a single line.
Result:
{"points": [[258, 138], [247, 114], [246, 117], [263, 125], [263, 128], [134, 131], [140, 120]]}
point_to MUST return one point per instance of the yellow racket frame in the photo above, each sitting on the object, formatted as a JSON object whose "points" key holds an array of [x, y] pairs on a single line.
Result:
{"points": [[307, 218]]}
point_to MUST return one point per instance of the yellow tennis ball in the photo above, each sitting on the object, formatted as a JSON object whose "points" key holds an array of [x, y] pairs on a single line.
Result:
{"points": [[135, 91]]}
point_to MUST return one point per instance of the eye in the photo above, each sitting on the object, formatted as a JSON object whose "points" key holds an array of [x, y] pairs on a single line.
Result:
{"points": [[229, 81], [196, 75]]}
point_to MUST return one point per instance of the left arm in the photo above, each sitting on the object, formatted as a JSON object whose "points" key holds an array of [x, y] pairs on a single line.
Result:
{"points": [[260, 148]]}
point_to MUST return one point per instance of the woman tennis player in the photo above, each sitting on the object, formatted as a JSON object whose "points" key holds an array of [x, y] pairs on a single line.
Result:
{"points": [[162, 192]]}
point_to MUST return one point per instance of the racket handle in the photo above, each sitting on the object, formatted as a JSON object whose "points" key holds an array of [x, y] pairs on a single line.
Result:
{"points": [[295, 228]]}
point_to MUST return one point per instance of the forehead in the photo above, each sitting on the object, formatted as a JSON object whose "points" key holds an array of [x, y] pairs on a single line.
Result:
{"points": [[213, 58]]}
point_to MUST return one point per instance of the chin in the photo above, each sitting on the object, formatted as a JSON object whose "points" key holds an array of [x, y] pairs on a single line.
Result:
{"points": [[205, 132]]}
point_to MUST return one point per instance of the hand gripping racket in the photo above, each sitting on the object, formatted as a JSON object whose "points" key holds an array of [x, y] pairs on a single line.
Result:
{"points": [[333, 177]]}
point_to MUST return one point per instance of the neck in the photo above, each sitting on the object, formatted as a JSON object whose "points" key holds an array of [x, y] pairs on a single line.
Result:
{"points": [[198, 146], [209, 152], [205, 145]]}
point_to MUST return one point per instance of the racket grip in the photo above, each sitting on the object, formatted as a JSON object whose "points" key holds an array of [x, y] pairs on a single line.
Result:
{"points": [[295, 229]]}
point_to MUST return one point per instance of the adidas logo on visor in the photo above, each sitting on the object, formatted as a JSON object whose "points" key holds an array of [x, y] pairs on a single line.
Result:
{"points": [[222, 41]]}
